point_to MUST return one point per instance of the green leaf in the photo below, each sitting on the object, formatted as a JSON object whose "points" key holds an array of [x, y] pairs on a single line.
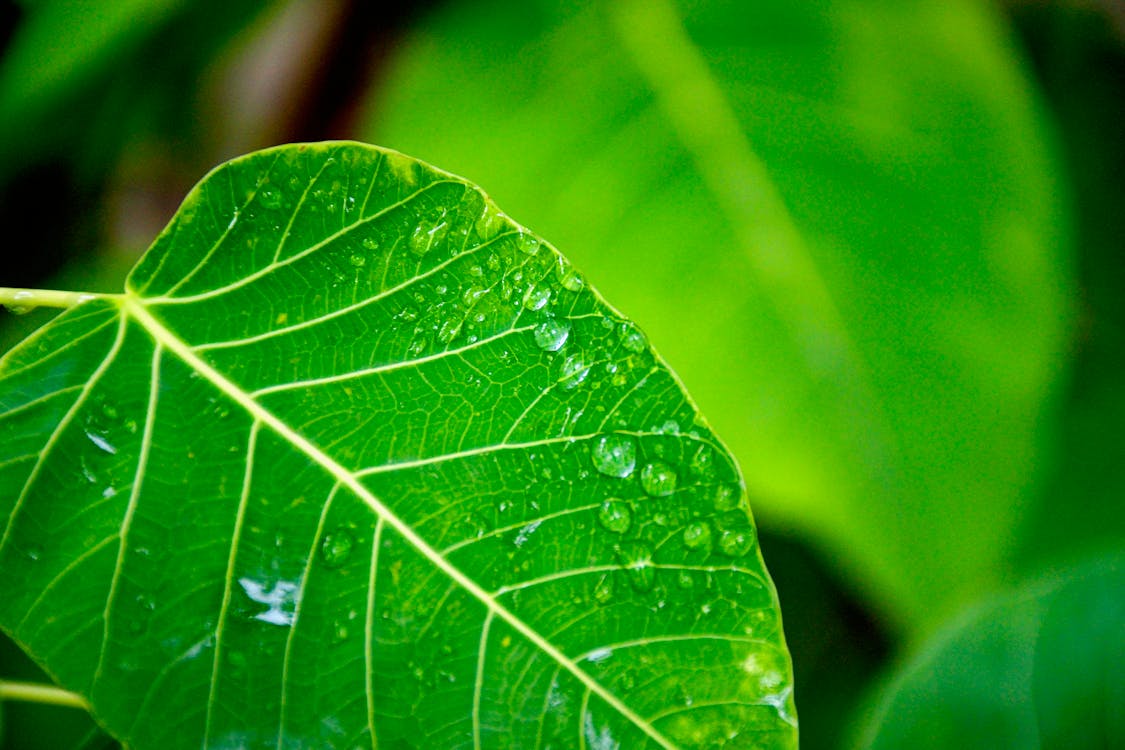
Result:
{"points": [[839, 220], [357, 459], [1041, 667]]}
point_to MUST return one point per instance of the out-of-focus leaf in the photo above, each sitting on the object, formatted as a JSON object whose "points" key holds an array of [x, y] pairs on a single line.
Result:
{"points": [[839, 219], [357, 460], [1081, 59], [79, 76], [1044, 667]]}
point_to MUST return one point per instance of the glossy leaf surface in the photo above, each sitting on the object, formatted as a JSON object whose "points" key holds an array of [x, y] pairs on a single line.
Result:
{"points": [[356, 460], [839, 220]]}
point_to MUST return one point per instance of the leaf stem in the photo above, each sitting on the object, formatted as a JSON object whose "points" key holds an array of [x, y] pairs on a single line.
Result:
{"points": [[33, 692], [22, 300]]}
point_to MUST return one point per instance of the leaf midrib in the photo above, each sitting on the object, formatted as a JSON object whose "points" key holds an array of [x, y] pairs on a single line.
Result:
{"points": [[134, 307]]}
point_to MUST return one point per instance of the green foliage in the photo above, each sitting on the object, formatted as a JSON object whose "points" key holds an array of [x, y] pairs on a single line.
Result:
{"points": [[1040, 667], [355, 456], [840, 220]]}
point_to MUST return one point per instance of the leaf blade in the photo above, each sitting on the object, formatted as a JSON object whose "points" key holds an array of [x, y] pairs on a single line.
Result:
{"points": [[429, 489]]}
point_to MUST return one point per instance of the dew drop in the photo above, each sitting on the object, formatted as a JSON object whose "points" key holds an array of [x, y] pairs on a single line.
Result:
{"points": [[658, 479], [551, 334], [603, 592], [527, 243], [574, 371], [449, 330], [101, 442], [270, 197], [736, 542], [697, 535], [703, 462], [615, 516], [615, 455], [726, 497], [280, 598], [336, 547], [358, 260], [536, 299], [631, 337], [568, 278], [636, 558], [370, 243]]}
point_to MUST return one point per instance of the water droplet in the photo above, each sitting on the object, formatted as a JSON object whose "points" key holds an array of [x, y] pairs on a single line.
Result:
{"points": [[270, 197], [703, 462], [615, 455], [615, 516], [726, 497], [697, 535], [449, 330], [551, 334], [527, 243], [280, 597], [736, 542], [536, 299], [101, 442], [574, 371], [568, 278], [526, 532], [370, 243], [658, 479], [489, 223], [599, 655], [336, 547], [685, 579], [418, 346], [33, 552], [631, 337], [670, 427], [603, 592], [358, 260], [471, 294], [636, 558]]}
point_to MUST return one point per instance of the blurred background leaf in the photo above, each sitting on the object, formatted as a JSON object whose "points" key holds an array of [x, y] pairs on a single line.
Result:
{"points": [[925, 387], [1039, 667], [840, 221]]}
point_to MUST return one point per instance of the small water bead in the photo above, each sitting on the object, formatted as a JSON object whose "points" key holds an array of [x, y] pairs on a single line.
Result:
{"points": [[536, 299], [703, 462], [736, 542], [658, 479], [358, 260], [551, 334], [270, 197], [528, 243], [615, 455], [448, 330], [603, 592], [697, 535], [471, 294], [615, 516], [568, 278], [726, 497], [574, 371], [631, 337], [636, 558], [370, 243], [336, 548]]}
